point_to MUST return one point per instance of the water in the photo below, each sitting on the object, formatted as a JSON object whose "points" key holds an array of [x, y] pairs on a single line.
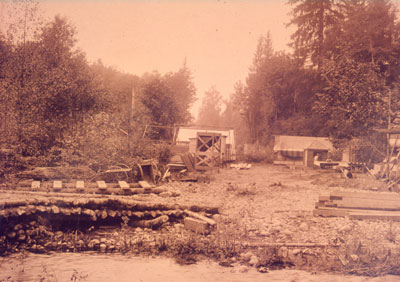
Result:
{"points": [[96, 267]]}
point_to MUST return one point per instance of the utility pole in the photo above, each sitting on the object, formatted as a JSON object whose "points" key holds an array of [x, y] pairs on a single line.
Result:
{"points": [[131, 108], [388, 136]]}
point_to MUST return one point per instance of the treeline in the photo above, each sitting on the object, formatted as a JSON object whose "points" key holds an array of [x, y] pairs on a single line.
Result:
{"points": [[339, 81], [56, 106]]}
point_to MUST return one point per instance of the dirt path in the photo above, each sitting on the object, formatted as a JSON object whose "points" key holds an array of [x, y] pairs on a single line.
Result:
{"points": [[84, 267]]}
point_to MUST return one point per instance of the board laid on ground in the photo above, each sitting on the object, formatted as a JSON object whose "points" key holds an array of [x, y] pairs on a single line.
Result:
{"points": [[360, 205]]}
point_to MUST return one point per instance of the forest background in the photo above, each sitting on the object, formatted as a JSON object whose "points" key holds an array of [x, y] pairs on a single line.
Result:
{"points": [[341, 80]]}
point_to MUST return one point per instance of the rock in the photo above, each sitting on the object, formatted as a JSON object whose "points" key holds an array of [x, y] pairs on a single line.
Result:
{"points": [[22, 237], [103, 247], [343, 260], [263, 269], [246, 256], [217, 217], [253, 260], [93, 243], [345, 228], [21, 211], [11, 235], [104, 214], [304, 226], [17, 227], [178, 226], [283, 252], [103, 240], [165, 194], [287, 233], [58, 234], [243, 269], [296, 252], [354, 257]]}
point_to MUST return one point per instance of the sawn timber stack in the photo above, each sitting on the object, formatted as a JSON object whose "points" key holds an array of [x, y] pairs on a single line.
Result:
{"points": [[360, 205]]}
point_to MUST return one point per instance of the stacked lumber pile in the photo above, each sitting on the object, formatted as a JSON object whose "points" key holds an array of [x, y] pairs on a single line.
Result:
{"points": [[180, 165], [360, 205]]}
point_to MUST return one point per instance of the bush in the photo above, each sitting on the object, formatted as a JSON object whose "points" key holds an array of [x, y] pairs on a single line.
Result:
{"points": [[255, 153]]}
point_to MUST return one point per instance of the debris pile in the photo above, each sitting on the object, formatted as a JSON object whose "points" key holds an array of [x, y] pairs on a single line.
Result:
{"points": [[360, 205], [240, 166]]}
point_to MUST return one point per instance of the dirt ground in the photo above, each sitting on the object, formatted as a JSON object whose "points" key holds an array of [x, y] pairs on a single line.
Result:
{"points": [[265, 222], [271, 205]]}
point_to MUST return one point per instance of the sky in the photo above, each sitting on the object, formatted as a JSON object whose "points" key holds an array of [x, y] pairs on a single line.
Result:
{"points": [[216, 38]]}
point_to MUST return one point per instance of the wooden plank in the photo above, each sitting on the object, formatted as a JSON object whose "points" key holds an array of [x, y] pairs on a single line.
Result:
{"points": [[145, 184], [330, 213], [123, 185], [374, 216], [187, 162], [35, 185], [192, 159], [349, 210], [80, 185], [367, 204], [324, 199], [365, 195], [101, 184], [57, 185]]}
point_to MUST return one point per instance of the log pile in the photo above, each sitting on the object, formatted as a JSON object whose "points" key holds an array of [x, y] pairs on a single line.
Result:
{"points": [[93, 206], [30, 219], [359, 205], [98, 187]]}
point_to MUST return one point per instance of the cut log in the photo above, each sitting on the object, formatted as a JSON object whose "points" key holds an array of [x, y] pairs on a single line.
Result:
{"points": [[201, 217], [152, 223]]}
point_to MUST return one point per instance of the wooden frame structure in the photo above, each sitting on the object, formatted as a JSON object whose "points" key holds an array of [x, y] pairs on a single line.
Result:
{"points": [[208, 151]]}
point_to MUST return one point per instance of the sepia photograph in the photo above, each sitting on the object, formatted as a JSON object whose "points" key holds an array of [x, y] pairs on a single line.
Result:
{"points": [[199, 140]]}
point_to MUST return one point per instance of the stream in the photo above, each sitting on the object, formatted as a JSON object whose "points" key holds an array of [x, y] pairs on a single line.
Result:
{"points": [[100, 267]]}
